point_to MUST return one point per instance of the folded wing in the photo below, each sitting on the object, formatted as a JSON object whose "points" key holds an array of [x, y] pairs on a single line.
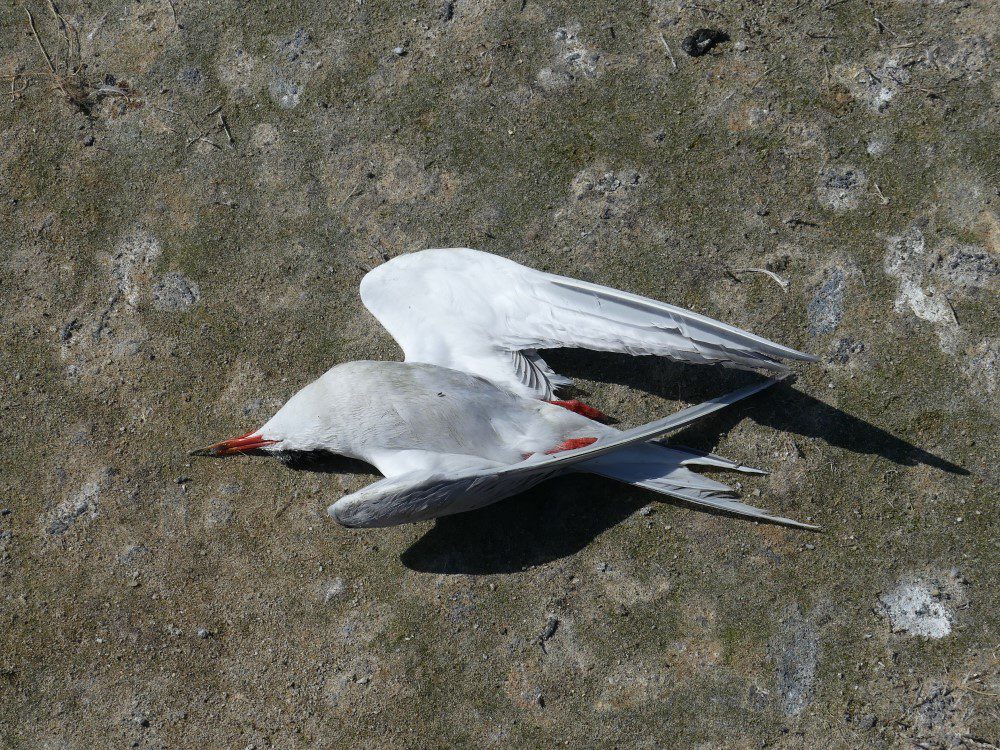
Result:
{"points": [[419, 495], [477, 312]]}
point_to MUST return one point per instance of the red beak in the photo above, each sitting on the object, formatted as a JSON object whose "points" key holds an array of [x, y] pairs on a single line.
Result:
{"points": [[249, 442]]}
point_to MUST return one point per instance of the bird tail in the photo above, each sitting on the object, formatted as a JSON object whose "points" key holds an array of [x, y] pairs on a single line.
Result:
{"points": [[664, 470]]}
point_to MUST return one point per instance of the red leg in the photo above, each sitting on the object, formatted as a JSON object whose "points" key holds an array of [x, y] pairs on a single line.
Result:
{"points": [[581, 408]]}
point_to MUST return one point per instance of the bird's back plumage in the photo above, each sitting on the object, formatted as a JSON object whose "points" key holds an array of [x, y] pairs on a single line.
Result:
{"points": [[369, 410]]}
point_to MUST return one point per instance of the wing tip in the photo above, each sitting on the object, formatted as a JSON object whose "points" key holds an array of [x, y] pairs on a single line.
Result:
{"points": [[772, 362], [792, 523], [782, 521], [804, 357]]}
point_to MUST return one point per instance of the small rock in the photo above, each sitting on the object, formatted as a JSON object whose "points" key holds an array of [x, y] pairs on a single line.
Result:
{"points": [[204, 633], [254, 406], [967, 266], [841, 188], [702, 41], [67, 512], [796, 654], [399, 51], [296, 44], [877, 147], [68, 330], [846, 350]]}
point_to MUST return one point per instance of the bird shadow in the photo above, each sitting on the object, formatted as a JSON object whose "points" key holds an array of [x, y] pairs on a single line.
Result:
{"points": [[553, 520], [782, 407], [562, 516], [324, 462]]}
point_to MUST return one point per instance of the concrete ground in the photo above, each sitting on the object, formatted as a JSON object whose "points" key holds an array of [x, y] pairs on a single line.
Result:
{"points": [[190, 192]]}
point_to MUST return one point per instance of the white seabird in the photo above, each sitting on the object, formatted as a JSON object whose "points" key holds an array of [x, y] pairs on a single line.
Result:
{"points": [[468, 418]]}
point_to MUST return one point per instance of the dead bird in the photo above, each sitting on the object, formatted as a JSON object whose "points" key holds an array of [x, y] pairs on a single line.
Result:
{"points": [[470, 417]]}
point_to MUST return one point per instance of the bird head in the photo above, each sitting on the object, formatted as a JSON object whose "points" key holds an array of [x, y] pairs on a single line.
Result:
{"points": [[304, 423]]}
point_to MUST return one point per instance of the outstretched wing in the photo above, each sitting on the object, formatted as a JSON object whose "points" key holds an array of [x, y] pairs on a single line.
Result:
{"points": [[483, 314], [421, 495]]}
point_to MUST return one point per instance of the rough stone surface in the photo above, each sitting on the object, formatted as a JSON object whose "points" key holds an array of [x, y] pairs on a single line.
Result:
{"points": [[923, 605], [175, 292], [186, 209], [826, 309], [796, 653]]}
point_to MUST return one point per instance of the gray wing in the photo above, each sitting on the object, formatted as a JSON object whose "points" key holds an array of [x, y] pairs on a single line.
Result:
{"points": [[422, 495], [483, 314]]}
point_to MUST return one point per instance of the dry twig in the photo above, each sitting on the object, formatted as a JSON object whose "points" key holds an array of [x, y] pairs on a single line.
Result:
{"points": [[225, 126], [669, 53], [65, 30], [38, 41]]}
